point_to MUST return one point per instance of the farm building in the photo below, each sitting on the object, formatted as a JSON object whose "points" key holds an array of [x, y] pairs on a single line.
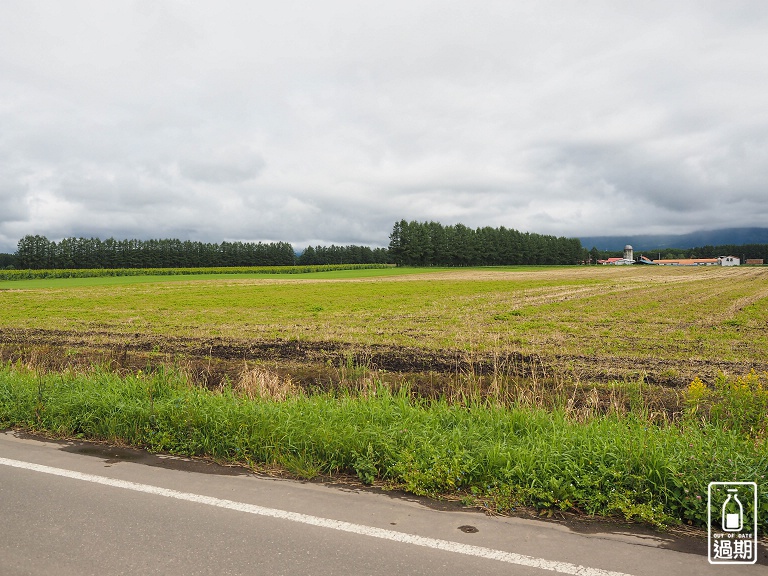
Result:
{"points": [[616, 261], [628, 258], [688, 262], [719, 261]]}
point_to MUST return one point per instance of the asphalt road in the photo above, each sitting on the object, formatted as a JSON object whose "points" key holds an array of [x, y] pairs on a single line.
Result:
{"points": [[78, 508]]}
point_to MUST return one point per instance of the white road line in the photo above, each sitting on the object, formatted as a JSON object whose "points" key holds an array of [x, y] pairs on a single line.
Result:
{"points": [[447, 545]]}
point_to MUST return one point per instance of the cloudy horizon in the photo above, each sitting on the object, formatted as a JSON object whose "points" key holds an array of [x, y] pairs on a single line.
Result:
{"points": [[324, 123]]}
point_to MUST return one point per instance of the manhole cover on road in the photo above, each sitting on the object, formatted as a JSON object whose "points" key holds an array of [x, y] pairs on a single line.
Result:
{"points": [[468, 529]]}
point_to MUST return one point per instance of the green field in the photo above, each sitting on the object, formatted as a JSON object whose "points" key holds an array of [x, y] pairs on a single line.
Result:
{"points": [[583, 390], [620, 320], [59, 280]]}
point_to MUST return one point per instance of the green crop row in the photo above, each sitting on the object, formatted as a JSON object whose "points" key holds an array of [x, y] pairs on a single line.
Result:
{"points": [[502, 457], [107, 272]]}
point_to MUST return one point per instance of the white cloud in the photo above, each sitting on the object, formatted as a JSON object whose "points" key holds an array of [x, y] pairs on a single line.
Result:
{"points": [[326, 122]]}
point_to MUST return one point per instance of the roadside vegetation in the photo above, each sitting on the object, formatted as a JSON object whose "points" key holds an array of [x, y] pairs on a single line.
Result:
{"points": [[578, 390], [480, 452]]}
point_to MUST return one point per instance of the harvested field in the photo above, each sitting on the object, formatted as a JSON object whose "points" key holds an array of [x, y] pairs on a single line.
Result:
{"points": [[587, 324]]}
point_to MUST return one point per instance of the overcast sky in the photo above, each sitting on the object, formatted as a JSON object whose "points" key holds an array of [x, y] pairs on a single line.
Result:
{"points": [[326, 121]]}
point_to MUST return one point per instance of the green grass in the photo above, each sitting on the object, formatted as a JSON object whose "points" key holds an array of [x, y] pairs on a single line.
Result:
{"points": [[667, 314], [25, 279], [155, 278], [501, 457]]}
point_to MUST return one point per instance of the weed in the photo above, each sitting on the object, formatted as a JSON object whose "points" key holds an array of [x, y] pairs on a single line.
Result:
{"points": [[498, 456], [738, 403]]}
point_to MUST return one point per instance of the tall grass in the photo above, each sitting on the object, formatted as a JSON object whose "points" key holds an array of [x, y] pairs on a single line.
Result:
{"points": [[502, 457]]}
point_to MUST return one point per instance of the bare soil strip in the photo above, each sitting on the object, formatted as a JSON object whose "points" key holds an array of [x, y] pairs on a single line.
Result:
{"points": [[214, 359]]}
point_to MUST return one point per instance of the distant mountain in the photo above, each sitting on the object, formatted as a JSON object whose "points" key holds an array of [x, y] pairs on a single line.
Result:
{"points": [[734, 236]]}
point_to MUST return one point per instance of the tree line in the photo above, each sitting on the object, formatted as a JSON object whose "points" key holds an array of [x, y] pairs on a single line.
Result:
{"points": [[410, 244], [38, 253], [743, 251], [433, 244], [343, 255]]}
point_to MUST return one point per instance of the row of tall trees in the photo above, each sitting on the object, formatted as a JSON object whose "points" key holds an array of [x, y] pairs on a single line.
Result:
{"points": [[37, 252], [433, 244], [344, 255]]}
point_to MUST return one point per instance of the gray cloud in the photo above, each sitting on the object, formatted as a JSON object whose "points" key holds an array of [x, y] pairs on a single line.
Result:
{"points": [[224, 166], [325, 123]]}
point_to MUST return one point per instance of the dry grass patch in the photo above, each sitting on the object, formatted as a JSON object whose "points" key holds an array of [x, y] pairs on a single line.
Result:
{"points": [[260, 382]]}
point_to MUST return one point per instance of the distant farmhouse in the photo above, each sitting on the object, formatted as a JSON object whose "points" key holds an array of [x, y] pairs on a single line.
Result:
{"points": [[629, 259], [719, 261]]}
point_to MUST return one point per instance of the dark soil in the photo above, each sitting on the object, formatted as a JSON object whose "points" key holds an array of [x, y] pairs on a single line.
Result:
{"points": [[56, 343], [326, 366]]}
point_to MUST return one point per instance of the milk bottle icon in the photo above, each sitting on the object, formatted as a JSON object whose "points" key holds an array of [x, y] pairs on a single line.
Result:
{"points": [[733, 512]]}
